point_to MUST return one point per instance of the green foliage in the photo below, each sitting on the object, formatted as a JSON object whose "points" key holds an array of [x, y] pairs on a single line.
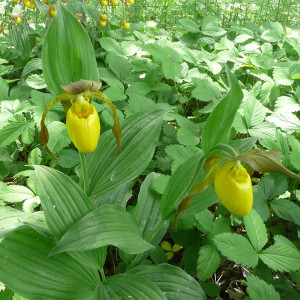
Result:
{"points": [[181, 95]]}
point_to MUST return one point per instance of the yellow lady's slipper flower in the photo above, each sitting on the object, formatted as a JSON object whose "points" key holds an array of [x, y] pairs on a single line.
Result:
{"points": [[233, 187], [83, 124]]}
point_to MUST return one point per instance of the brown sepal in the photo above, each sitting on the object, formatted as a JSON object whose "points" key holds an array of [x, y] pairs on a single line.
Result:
{"points": [[78, 87], [266, 162]]}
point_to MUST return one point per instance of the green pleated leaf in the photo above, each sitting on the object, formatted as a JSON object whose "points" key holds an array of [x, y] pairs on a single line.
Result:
{"points": [[64, 203], [128, 286], [237, 248], [180, 184], [68, 54], [256, 230], [218, 125], [147, 213], [173, 281], [106, 225], [11, 219], [26, 268], [140, 133]]}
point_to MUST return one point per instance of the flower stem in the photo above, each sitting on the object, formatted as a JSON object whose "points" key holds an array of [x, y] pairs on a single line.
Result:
{"points": [[84, 172]]}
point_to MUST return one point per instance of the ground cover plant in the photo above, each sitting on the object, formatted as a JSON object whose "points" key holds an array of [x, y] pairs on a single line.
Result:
{"points": [[191, 191]]}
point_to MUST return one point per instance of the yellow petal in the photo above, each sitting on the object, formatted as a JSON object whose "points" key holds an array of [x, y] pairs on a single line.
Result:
{"points": [[176, 248], [233, 187], [166, 246], [169, 255], [83, 126]]}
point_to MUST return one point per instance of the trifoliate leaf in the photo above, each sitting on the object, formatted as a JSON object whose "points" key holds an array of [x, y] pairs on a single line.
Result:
{"points": [[58, 136], [237, 248]]}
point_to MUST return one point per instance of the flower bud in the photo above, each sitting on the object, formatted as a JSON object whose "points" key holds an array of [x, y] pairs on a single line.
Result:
{"points": [[83, 125], [233, 187]]}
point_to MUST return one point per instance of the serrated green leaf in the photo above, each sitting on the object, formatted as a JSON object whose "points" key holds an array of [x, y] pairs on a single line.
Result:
{"points": [[256, 230], [110, 45], [139, 88], [237, 248], [58, 136], [3, 89], [281, 257], [160, 182], [32, 65], [35, 157], [68, 158], [258, 289], [36, 81], [206, 90], [12, 131], [254, 112], [15, 193], [106, 225], [286, 210], [173, 281], [119, 65], [281, 77], [295, 153], [208, 262]]}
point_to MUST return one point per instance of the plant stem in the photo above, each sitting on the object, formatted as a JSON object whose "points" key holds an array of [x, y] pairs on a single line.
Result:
{"points": [[102, 274], [84, 172]]}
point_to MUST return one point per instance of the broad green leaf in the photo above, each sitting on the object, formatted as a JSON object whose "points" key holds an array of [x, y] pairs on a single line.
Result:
{"points": [[68, 54], [12, 131], [147, 210], [36, 81], [256, 230], [285, 104], [129, 286], [173, 281], [218, 125], [22, 39], [180, 183], [3, 89], [11, 219], [286, 210], [24, 262], [147, 213], [64, 203], [208, 262], [32, 65], [281, 257], [211, 27], [139, 88], [118, 196], [140, 133], [258, 289], [189, 25], [106, 225], [237, 248], [15, 193]]}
